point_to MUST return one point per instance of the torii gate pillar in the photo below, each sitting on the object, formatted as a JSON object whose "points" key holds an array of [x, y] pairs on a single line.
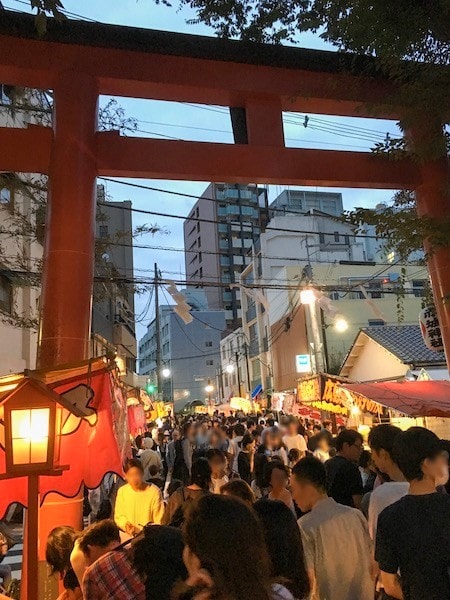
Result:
{"points": [[68, 257]]}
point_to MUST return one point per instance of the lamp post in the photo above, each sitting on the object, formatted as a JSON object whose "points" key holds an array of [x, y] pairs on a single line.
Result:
{"points": [[209, 390], [340, 324], [308, 298]]}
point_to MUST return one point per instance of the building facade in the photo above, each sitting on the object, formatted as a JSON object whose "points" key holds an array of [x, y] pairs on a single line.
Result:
{"points": [[303, 201], [191, 353], [113, 318], [218, 234], [234, 373], [280, 329]]}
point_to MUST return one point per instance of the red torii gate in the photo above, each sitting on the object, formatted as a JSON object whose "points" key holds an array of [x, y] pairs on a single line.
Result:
{"points": [[81, 60]]}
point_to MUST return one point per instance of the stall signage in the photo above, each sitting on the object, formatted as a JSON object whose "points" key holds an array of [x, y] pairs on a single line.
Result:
{"points": [[325, 393], [303, 363]]}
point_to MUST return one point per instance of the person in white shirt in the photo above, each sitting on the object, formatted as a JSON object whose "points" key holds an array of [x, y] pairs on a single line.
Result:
{"points": [[150, 457], [235, 446], [137, 502], [336, 542], [381, 442], [293, 439], [218, 463], [322, 451]]}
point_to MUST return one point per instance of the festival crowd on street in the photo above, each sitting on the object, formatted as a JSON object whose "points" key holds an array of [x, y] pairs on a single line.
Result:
{"points": [[252, 508]]}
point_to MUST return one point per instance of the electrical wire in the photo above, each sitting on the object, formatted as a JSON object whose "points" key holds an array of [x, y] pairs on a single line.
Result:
{"points": [[215, 221]]}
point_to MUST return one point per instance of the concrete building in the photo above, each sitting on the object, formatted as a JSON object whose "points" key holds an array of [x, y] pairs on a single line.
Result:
{"points": [[191, 352], [303, 201], [113, 306], [218, 234], [22, 212], [278, 327], [234, 366]]}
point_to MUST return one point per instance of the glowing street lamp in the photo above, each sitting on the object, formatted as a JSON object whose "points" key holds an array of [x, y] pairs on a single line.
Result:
{"points": [[209, 389], [307, 296], [229, 369], [340, 324], [166, 372]]}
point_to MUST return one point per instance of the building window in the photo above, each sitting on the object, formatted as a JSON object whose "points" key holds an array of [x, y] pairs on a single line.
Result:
{"points": [[6, 294], [337, 237], [347, 240], [321, 238], [376, 323], [418, 286], [103, 229], [199, 257], [209, 363], [6, 191], [198, 226], [199, 242], [208, 344], [166, 348]]}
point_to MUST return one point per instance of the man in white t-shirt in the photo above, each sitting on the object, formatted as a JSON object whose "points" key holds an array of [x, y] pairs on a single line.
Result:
{"points": [[234, 447], [381, 442], [293, 439]]}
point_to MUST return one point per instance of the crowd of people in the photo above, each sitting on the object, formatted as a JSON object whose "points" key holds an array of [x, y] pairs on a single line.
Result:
{"points": [[238, 508]]}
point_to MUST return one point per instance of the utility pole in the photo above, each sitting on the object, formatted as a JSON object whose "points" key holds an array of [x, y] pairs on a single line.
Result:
{"points": [[236, 356], [158, 334], [248, 368]]}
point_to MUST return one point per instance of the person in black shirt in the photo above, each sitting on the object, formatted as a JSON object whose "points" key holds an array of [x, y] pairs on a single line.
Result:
{"points": [[246, 458], [343, 476], [413, 534]]}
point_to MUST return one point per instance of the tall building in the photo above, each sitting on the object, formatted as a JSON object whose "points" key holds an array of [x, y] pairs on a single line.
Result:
{"points": [[113, 306], [218, 234], [191, 353], [302, 201]]}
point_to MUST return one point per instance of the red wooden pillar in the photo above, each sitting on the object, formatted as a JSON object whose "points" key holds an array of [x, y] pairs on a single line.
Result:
{"points": [[69, 244], [68, 255], [433, 200]]}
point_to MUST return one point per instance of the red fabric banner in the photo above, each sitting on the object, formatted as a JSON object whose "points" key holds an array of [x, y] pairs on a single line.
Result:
{"points": [[89, 445]]}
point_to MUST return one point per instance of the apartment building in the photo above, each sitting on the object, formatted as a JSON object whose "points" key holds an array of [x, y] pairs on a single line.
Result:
{"points": [[218, 234]]}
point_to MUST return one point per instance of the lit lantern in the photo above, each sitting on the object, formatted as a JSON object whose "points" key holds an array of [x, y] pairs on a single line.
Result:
{"points": [[32, 417]]}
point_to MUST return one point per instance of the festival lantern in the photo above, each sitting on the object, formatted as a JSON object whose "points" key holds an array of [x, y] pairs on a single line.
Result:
{"points": [[31, 418]]}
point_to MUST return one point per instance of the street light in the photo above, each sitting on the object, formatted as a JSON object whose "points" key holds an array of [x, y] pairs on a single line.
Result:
{"points": [[340, 324], [209, 389], [307, 296], [229, 369], [165, 372]]}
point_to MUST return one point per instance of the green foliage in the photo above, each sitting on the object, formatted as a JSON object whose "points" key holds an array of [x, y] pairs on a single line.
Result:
{"points": [[401, 229]]}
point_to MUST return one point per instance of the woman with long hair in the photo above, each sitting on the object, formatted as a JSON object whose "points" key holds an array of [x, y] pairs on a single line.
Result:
{"points": [[284, 543], [225, 554]]}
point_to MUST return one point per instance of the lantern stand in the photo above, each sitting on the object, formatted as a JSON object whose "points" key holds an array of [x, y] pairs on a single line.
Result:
{"points": [[33, 422]]}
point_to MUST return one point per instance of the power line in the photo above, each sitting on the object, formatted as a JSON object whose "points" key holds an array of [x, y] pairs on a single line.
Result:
{"points": [[216, 221]]}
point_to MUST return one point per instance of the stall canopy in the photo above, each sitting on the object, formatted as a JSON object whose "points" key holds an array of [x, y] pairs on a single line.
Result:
{"points": [[412, 398]]}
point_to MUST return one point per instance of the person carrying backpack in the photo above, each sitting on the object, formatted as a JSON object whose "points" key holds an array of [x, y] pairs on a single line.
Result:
{"points": [[180, 500]]}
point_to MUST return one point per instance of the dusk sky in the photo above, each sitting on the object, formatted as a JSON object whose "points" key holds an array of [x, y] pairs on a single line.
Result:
{"points": [[205, 124]]}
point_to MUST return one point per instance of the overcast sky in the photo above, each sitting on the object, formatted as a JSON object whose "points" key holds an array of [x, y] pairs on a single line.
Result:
{"points": [[181, 121]]}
